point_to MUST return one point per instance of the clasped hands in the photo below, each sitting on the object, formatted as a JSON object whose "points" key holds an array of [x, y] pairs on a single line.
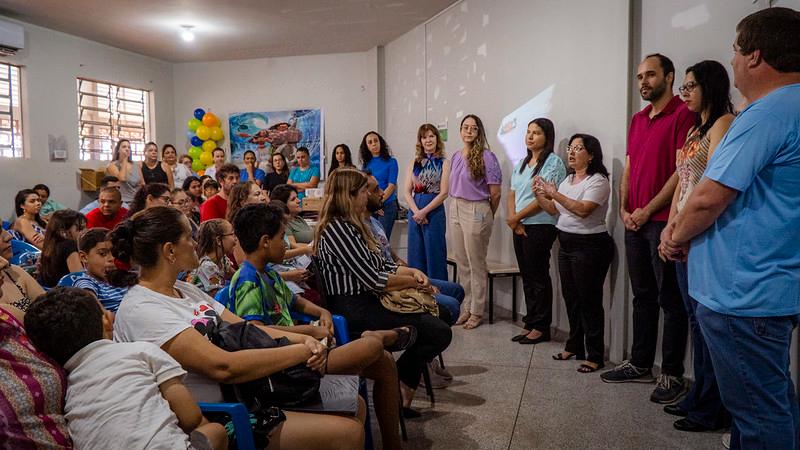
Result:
{"points": [[670, 250]]}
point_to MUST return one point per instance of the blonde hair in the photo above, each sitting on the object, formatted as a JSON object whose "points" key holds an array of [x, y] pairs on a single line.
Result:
{"points": [[477, 168], [341, 187], [439, 152]]}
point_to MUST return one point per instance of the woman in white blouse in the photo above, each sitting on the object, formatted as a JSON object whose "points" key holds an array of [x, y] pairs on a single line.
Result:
{"points": [[581, 201]]}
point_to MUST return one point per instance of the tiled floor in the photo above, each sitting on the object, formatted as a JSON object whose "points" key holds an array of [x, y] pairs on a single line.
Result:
{"points": [[511, 396]]}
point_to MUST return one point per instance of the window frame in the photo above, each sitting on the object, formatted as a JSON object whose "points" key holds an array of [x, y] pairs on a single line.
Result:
{"points": [[16, 147]]}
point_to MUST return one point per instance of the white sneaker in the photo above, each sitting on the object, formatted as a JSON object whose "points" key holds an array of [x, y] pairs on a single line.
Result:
{"points": [[436, 366], [726, 440]]}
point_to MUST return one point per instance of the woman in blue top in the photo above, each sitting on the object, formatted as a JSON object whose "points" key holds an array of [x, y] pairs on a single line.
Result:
{"points": [[251, 170], [377, 159], [534, 229], [305, 175], [426, 185]]}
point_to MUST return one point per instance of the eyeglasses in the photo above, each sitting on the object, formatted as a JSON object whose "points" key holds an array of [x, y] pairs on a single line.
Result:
{"points": [[469, 128], [166, 199], [228, 234], [687, 88], [575, 148], [180, 202]]}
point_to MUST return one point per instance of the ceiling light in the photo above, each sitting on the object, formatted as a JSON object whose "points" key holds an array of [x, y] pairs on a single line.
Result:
{"points": [[187, 34]]}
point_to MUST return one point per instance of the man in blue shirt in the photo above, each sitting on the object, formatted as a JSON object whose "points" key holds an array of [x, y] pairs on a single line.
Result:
{"points": [[743, 220]]}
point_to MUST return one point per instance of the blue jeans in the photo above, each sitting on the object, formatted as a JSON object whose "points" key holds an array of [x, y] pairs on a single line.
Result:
{"points": [[450, 297], [703, 402], [427, 248], [751, 361], [388, 217]]}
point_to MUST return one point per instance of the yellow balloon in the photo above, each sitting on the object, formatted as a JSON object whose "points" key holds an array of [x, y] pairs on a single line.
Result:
{"points": [[203, 132], [209, 146], [206, 158], [216, 133]]}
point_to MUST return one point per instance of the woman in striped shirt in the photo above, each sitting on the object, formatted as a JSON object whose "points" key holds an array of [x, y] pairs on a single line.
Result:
{"points": [[354, 272]]}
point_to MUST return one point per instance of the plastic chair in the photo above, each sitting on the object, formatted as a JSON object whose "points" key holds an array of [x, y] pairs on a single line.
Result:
{"points": [[240, 419], [6, 225], [69, 279], [18, 248]]}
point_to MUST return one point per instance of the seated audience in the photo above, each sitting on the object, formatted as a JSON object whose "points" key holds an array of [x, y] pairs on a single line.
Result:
{"points": [[215, 240], [342, 157], [305, 175], [279, 174], [210, 189], [108, 180], [60, 250], [297, 229], [251, 171], [194, 190], [260, 295], [110, 211], [180, 199], [216, 207], [49, 206], [218, 155], [355, 273], [94, 249], [173, 314], [32, 390], [153, 170], [119, 395], [29, 224], [19, 287], [586, 249], [186, 161], [180, 172], [242, 194], [5, 244], [150, 195], [128, 172]]}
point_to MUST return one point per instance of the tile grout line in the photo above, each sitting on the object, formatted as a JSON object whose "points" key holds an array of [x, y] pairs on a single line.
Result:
{"points": [[521, 397]]}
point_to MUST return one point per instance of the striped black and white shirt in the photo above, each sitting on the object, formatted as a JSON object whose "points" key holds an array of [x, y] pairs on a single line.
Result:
{"points": [[347, 265]]}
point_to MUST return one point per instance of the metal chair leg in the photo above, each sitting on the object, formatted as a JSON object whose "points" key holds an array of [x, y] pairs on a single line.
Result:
{"points": [[441, 360], [426, 375], [491, 299]]}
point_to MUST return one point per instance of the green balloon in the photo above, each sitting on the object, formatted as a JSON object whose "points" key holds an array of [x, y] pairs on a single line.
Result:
{"points": [[198, 165], [193, 124], [195, 152]]}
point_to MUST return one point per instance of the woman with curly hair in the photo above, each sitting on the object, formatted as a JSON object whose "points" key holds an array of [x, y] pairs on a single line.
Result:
{"points": [[377, 159], [475, 179]]}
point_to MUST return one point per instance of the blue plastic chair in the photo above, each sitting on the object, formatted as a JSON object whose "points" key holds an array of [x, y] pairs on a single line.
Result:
{"points": [[69, 279], [19, 248], [6, 225], [240, 419]]}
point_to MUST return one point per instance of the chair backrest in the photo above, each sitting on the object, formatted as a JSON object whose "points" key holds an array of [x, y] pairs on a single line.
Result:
{"points": [[19, 247], [69, 279]]}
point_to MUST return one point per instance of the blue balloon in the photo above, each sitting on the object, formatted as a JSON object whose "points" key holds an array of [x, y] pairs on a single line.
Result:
{"points": [[199, 113], [196, 141]]}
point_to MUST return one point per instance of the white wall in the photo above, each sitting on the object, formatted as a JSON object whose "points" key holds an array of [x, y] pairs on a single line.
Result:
{"points": [[343, 85], [51, 62]]}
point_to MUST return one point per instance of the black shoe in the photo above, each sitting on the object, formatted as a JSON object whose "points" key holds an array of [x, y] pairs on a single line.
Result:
{"points": [[627, 372], [676, 410], [545, 337], [409, 413], [669, 389], [688, 425]]}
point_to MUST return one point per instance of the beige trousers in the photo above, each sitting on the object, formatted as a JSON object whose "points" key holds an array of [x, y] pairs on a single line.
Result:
{"points": [[471, 227]]}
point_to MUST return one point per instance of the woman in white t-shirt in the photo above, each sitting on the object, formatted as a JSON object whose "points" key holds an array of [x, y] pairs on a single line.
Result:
{"points": [[174, 315], [586, 247]]}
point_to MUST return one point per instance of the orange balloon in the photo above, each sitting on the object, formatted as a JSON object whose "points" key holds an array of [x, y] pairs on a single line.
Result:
{"points": [[210, 120], [201, 172]]}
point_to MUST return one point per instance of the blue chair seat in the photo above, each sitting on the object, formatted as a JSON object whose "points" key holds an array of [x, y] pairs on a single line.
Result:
{"points": [[69, 279]]}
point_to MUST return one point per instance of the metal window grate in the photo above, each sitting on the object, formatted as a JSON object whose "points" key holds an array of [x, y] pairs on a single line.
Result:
{"points": [[10, 112], [109, 112]]}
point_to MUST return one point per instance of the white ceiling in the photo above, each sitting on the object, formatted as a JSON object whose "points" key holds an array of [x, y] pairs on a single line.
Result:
{"points": [[229, 29]]}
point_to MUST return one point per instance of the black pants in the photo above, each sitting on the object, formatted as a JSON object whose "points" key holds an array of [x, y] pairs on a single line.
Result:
{"points": [[655, 287], [365, 312], [583, 263], [533, 258]]}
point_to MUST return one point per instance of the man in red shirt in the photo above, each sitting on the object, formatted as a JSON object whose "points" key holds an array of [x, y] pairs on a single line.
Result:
{"points": [[648, 182], [216, 207], [110, 212]]}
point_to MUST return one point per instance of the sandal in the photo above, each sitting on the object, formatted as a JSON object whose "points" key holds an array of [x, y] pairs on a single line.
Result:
{"points": [[473, 322], [406, 336], [462, 319], [587, 368], [560, 356]]}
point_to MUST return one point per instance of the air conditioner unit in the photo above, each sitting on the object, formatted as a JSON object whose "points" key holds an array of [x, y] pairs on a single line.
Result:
{"points": [[12, 38]]}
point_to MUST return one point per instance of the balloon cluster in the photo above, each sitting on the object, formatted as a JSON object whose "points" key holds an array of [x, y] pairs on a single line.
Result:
{"points": [[204, 134]]}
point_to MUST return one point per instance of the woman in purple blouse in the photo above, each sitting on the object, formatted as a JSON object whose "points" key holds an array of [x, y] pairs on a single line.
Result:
{"points": [[475, 179]]}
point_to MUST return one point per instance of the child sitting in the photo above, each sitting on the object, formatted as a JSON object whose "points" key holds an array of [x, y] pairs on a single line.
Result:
{"points": [[215, 240], [119, 395], [94, 249]]}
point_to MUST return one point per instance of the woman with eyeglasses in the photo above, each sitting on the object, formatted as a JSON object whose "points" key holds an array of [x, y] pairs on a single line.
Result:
{"points": [[183, 203], [586, 249], [705, 90], [475, 179], [150, 195]]}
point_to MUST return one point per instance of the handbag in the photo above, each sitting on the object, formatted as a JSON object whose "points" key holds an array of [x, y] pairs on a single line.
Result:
{"points": [[409, 300]]}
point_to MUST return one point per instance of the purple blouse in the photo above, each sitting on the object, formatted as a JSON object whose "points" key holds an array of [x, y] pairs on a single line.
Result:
{"points": [[464, 187]]}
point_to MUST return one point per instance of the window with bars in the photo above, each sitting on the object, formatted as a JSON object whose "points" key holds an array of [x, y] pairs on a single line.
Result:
{"points": [[10, 112], [107, 113]]}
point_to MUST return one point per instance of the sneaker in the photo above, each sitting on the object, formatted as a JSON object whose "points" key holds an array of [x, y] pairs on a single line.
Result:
{"points": [[437, 381], [669, 389], [436, 367], [627, 372], [726, 440]]}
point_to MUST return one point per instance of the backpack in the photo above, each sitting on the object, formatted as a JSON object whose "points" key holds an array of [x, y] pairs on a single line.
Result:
{"points": [[292, 386]]}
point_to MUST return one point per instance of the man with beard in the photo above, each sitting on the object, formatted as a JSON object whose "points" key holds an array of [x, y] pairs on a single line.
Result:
{"points": [[648, 182]]}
